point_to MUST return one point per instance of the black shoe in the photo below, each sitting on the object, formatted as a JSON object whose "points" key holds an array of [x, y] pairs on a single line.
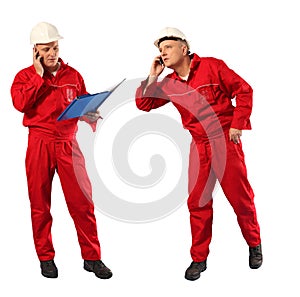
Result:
{"points": [[98, 268], [255, 257], [49, 269], [195, 269]]}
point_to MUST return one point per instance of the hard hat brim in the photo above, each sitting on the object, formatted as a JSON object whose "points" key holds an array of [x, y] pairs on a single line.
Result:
{"points": [[158, 41], [45, 41]]}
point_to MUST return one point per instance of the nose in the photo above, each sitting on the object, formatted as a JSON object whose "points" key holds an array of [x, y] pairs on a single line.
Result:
{"points": [[52, 52]]}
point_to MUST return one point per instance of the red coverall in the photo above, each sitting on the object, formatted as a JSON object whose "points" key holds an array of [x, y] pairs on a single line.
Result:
{"points": [[205, 104], [52, 146]]}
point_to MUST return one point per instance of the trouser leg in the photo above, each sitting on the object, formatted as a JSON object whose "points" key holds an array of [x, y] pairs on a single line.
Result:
{"points": [[78, 194], [238, 191], [202, 181], [40, 170]]}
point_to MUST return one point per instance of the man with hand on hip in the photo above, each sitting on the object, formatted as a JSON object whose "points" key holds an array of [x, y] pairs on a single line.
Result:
{"points": [[202, 89]]}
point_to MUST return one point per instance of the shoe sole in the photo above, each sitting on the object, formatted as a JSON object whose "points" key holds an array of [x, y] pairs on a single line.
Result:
{"points": [[49, 276], [102, 277], [195, 278], [255, 267], [192, 279]]}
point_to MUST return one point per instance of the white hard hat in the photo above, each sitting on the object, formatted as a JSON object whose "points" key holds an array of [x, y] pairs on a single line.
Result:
{"points": [[170, 33], [44, 33]]}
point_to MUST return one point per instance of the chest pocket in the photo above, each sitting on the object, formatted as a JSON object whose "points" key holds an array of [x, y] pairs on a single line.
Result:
{"points": [[207, 94], [70, 92]]}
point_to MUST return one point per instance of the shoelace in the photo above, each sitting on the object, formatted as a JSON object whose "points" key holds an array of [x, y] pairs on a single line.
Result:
{"points": [[197, 265], [100, 264], [256, 252]]}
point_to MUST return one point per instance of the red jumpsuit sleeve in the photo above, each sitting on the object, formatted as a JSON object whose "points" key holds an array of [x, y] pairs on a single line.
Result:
{"points": [[26, 90], [236, 87], [154, 97]]}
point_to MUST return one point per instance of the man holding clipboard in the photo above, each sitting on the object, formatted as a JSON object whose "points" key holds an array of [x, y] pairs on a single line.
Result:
{"points": [[42, 92]]}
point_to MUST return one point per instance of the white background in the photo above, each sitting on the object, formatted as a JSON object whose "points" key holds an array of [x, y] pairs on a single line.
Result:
{"points": [[109, 40]]}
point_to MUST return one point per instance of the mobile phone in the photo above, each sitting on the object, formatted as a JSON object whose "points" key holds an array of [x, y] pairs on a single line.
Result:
{"points": [[37, 55], [161, 62]]}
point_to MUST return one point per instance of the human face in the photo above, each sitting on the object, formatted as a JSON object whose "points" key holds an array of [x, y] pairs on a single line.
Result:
{"points": [[49, 53], [172, 53]]}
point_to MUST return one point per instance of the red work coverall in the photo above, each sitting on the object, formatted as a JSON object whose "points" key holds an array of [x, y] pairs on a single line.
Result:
{"points": [[52, 146], [207, 111]]}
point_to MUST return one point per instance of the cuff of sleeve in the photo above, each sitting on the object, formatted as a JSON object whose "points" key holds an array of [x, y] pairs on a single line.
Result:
{"points": [[93, 124], [241, 124], [151, 89], [37, 80]]}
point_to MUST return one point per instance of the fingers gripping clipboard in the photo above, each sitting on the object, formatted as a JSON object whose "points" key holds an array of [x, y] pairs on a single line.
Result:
{"points": [[86, 103]]}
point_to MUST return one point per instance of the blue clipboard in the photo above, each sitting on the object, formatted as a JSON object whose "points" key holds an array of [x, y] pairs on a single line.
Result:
{"points": [[86, 103]]}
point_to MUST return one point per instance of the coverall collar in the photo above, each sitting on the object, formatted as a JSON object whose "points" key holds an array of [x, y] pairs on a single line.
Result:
{"points": [[195, 61]]}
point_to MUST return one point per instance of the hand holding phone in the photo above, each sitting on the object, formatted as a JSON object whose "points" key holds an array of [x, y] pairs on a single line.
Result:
{"points": [[157, 67]]}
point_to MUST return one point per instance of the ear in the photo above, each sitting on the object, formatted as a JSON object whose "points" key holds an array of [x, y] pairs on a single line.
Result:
{"points": [[185, 50]]}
